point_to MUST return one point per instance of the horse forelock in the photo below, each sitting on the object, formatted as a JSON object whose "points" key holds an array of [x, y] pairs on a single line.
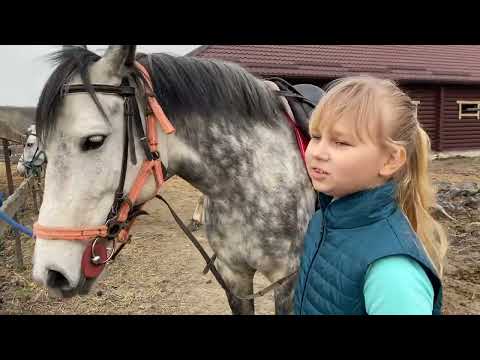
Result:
{"points": [[69, 61]]}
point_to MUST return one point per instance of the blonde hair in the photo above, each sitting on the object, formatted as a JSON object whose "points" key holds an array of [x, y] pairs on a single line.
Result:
{"points": [[387, 116]]}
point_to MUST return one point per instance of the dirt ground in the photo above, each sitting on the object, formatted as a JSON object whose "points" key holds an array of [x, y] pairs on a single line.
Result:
{"points": [[160, 271]]}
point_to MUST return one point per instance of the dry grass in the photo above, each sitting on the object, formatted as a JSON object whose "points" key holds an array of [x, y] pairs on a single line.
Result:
{"points": [[160, 271]]}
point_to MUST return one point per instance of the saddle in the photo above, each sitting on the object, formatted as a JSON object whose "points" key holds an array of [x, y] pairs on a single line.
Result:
{"points": [[301, 99], [298, 102]]}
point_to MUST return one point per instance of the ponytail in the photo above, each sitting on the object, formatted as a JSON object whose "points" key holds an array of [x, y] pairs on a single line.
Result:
{"points": [[416, 198]]}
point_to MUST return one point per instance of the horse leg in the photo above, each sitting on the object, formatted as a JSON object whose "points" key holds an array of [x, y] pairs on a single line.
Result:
{"points": [[239, 283], [284, 293], [198, 215], [284, 297]]}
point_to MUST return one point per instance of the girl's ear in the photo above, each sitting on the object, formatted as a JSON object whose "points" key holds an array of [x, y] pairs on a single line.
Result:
{"points": [[396, 159]]}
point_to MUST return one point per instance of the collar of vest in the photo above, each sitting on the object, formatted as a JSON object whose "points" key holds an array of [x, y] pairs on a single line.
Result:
{"points": [[361, 208]]}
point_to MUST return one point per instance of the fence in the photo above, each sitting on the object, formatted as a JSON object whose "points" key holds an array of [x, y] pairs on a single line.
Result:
{"points": [[16, 200], [15, 151]]}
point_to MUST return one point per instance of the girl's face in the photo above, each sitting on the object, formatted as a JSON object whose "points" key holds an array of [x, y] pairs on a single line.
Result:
{"points": [[339, 163]]}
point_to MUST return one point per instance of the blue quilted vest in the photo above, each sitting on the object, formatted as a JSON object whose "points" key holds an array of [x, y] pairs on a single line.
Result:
{"points": [[343, 238]]}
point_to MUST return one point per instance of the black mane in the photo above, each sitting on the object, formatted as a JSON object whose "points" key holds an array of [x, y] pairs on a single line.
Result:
{"points": [[189, 86], [184, 86]]}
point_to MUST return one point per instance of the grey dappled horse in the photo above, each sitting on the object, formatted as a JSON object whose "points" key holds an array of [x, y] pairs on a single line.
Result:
{"points": [[232, 142]]}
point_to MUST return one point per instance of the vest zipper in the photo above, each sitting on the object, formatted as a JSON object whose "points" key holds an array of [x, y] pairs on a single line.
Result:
{"points": [[313, 259]]}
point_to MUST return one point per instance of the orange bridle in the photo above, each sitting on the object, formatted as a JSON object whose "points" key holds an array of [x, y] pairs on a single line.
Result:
{"points": [[117, 228]]}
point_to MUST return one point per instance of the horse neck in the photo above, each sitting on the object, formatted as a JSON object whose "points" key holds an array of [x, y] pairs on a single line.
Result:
{"points": [[217, 155]]}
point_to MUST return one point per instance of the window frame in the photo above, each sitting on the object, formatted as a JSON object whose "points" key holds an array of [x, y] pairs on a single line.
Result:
{"points": [[462, 115]]}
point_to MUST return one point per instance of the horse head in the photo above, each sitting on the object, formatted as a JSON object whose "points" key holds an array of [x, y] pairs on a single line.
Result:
{"points": [[33, 156], [81, 120]]}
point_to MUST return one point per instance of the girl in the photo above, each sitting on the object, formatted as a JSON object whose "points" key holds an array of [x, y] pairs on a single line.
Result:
{"points": [[373, 247]]}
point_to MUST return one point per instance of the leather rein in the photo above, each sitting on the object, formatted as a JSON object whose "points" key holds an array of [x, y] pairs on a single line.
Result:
{"points": [[123, 211]]}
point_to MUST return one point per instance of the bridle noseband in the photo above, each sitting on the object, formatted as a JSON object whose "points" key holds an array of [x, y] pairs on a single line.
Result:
{"points": [[123, 211]]}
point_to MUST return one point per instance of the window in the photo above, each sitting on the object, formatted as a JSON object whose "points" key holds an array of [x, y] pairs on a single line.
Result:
{"points": [[468, 108], [416, 103]]}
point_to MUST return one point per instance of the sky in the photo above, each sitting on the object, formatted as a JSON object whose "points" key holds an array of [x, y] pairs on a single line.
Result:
{"points": [[24, 69]]}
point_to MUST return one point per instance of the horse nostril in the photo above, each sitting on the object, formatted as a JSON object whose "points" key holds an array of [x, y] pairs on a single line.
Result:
{"points": [[56, 280]]}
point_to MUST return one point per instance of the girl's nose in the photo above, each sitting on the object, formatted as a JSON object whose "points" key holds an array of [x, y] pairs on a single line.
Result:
{"points": [[320, 150]]}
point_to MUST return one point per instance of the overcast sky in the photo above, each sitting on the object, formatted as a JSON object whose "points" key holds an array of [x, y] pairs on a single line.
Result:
{"points": [[24, 69]]}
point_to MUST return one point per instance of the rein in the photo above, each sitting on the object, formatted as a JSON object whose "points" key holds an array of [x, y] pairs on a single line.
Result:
{"points": [[210, 261]]}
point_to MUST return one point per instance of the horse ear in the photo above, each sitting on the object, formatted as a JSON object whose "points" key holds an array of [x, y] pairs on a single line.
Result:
{"points": [[120, 55]]}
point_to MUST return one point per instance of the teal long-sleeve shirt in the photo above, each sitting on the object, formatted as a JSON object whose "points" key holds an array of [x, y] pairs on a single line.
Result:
{"points": [[397, 285]]}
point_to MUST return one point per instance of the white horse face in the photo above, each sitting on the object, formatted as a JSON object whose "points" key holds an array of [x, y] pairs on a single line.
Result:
{"points": [[31, 145], [32, 152], [85, 158]]}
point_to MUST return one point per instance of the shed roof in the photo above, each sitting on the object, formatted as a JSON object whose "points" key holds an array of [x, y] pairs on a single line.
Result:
{"points": [[425, 63]]}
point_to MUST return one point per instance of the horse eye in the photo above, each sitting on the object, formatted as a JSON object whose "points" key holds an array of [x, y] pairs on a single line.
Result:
{"points": [[93, 142]]}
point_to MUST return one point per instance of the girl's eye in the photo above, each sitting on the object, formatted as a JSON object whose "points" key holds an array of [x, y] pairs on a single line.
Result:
{"points": [[341, 143]]}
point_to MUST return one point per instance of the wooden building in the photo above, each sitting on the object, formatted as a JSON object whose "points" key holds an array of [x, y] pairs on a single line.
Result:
{"points": [[443, 80]]}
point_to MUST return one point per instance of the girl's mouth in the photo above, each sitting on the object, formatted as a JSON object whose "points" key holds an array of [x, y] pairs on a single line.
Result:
{"points": [[318, 173]]}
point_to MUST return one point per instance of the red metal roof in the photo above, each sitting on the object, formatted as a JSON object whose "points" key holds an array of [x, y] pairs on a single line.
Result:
{"points": [[428, 63]]}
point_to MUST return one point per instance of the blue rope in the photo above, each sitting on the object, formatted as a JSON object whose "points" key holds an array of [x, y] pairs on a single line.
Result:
{"points": [[15, 225]]}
